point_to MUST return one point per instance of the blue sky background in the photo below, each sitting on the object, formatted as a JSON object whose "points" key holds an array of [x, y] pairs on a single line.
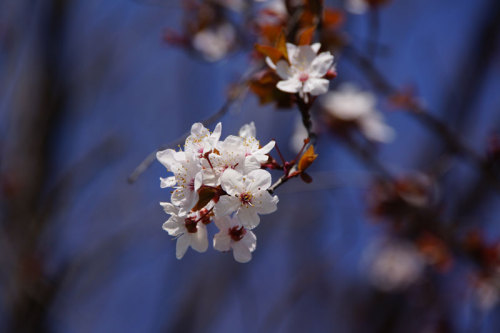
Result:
{"points": [[131, 90]]}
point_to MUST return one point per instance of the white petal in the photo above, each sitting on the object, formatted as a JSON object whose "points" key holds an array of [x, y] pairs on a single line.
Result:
{"points": [[283, 70], [222, 241], [172, 228], [248, 217], [291, 50], [198, 130], [265, 203], [232, 182], [169, 208], [247, 130], [241, 253], [215, 136], [226, 205], [249, 240], [316, 47], [199, 240], [182, 246], [258, 180], [267, 148], [167, 158], [291, 85], [321, 64], [304, 57], [316, 86], [252, 163], [222, 222], [167, 182], [270, 63]]}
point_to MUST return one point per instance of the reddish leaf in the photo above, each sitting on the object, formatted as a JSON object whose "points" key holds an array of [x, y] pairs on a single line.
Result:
{"points": [[306, 35], [269, 51], [307, 159]]}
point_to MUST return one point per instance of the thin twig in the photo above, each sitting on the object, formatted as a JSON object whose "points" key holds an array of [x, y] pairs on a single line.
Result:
{"points": [[236, 93]]}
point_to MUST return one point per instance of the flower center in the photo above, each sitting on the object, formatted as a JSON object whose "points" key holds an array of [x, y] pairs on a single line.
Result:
{"points": [[236, 233], [303, 77], [190, 223], [246, 199]]}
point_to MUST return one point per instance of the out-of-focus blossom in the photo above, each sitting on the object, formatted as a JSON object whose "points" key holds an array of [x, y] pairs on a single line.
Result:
{"points": [[304, 73], [357, 6], [487, 292], [362, 6], [393, 265], [215, 43], [350, 106], [233, 235]]}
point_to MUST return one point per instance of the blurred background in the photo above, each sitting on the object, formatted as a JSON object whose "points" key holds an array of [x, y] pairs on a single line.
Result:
{"points": [[89, 88]]}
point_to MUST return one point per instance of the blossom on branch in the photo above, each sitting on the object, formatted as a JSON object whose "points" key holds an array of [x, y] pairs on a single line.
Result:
{"points": [[304, 72], [233, 235], [217, 180]]}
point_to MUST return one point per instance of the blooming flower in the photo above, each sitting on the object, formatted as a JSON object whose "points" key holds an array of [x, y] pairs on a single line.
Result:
{"points": [[305, 71], [252, 146], [187, 177], [350, 104], [233, 235], [201, 140], [247, 196], [188, 228]]}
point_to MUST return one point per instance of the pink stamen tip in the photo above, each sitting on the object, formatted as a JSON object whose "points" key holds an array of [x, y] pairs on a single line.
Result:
{"points": [[303, 77]]}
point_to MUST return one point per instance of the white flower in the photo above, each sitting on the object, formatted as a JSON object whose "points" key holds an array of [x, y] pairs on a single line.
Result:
{"points": [[304, 75], [187, 177], [252, 146], [229, 154], [351, 104], [233, 235], [186, 228], [247, 196], [357, 6], [201, 140], [215, 43]]}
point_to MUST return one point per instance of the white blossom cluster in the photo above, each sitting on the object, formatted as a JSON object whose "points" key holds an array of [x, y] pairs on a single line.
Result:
{"points": [[230, 172]]}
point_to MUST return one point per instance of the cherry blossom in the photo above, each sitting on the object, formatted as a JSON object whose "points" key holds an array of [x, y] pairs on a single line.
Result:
{"points": [[247, 196], [234, 188], [201, 139], [187, 177], [305, 71], [252, 146], [233, 235], [189, 230]]}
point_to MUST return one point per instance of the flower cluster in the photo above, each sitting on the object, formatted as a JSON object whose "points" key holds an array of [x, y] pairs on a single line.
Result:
{"points": [[220, 181]]}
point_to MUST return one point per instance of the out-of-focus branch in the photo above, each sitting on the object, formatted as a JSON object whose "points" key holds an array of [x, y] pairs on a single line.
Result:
{"points": [[451, 139], [237, 92]]}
